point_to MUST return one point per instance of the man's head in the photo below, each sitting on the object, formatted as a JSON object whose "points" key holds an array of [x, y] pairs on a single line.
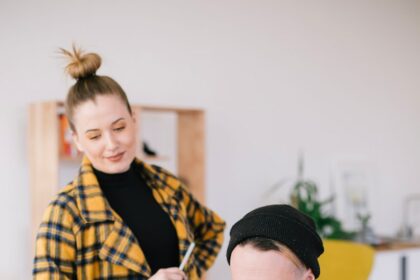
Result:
{"points": [[274, 242]]}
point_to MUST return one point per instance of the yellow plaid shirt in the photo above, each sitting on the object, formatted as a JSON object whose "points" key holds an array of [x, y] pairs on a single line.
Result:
{"points": [[81, 237]]}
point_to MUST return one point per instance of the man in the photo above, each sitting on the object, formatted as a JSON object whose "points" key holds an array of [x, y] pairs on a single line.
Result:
{"points": [[275, 242]]}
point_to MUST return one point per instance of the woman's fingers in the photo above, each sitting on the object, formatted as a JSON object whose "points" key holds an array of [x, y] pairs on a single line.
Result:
{"points": [[172, 273]]}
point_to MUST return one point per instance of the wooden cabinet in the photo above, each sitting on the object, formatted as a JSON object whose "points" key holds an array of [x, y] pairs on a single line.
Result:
{"points": [[46, 157]]}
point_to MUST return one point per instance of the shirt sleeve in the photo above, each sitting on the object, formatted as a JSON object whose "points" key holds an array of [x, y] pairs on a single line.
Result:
{"points": [[208, 230], [55, 244]]}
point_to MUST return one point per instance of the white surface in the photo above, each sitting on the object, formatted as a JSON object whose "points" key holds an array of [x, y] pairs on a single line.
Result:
{"points": [[387, 265], [413, 265], [334, 78]]}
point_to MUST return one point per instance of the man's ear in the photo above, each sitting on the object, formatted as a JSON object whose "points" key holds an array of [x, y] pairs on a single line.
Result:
{"points": [[309, 275], [76, 141]]}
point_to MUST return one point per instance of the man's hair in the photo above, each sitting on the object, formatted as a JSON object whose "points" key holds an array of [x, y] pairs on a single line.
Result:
{"points": [[262, 243], [266, 244]]}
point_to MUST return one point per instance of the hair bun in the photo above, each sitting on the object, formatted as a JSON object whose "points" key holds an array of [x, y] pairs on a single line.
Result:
{"points": [[81, 65]]}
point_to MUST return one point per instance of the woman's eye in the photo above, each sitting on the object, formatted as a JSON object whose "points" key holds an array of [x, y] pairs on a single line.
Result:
{"points": [[95, 137], [119, 128]]}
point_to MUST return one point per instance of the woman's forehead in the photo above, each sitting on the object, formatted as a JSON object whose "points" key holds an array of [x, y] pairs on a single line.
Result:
{"points": [[103, 110]]}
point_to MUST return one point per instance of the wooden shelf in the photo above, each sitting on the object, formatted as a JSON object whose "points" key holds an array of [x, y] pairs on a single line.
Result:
{"points": [[397, 245], [154, 158], [67, 158]]}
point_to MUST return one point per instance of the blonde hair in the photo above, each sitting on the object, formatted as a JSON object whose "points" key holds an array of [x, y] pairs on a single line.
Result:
{"points": [[82, 67]]}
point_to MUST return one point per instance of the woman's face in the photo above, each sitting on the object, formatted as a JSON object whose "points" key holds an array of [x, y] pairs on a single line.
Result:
{"points": [[106, 132]]}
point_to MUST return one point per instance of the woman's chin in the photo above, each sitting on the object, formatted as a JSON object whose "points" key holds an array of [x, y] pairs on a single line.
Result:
{"points": [[118, 168]]}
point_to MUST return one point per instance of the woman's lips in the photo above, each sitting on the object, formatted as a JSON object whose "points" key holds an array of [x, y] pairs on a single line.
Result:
{"points": [[115, 158]]}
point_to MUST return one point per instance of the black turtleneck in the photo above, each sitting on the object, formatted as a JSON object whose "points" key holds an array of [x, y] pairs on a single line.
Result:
{"points": [[129, 195]]}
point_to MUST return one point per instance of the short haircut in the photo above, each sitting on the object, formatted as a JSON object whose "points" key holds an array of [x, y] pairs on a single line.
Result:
{"points": [[266, 244]]}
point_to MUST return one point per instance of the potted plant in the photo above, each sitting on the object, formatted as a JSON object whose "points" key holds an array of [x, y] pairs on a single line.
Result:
{"points": [[304, 196]]}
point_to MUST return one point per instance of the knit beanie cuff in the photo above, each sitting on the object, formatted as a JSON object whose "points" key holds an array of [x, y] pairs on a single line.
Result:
{"points": [[284, 224]]}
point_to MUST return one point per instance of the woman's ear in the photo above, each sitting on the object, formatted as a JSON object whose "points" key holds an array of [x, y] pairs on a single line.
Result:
{"points": [[136, 127], [76, 141]]}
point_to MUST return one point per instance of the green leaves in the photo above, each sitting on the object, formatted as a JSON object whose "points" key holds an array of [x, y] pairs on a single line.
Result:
{"points": [[304, 196]]}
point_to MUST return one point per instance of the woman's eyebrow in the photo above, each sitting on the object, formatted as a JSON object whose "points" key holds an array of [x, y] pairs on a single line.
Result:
{"points": [[91, 130], [114, 122], [96, 129]]}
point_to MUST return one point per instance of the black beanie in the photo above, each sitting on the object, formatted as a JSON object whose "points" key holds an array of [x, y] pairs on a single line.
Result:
{"points": [[284, 224]]}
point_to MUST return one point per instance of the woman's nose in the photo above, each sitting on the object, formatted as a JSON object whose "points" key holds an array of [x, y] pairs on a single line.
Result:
{"points": [[111, 142]]}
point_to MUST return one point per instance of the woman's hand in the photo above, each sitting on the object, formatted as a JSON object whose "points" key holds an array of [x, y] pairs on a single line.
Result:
{"points": [[172, 273]]}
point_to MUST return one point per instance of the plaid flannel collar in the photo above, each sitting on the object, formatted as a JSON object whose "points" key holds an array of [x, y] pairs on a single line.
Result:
{"points": [[95, 208], [90, 199]]}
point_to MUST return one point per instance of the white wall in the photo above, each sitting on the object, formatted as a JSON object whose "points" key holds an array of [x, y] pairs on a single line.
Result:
{"points": [[335, 78]]}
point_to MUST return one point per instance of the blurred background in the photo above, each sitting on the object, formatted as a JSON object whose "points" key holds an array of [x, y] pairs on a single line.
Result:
{"points": [[335, 80]]}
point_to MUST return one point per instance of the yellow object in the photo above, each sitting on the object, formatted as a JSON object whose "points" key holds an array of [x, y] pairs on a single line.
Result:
{"points": [[346, 260], [82, 237]]}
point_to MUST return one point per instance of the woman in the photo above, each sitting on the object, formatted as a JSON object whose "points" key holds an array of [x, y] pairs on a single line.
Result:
{"points": [[119, 218]]}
